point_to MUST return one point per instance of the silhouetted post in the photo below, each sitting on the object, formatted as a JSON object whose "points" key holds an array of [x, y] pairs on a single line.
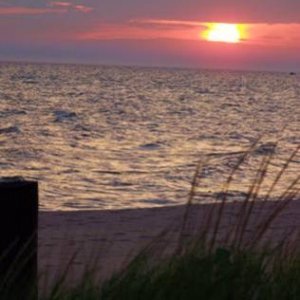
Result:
{"points": [[18, 238]]}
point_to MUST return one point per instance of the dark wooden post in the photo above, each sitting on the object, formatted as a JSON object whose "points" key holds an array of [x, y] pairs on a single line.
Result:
{"points": [[18, 238]]}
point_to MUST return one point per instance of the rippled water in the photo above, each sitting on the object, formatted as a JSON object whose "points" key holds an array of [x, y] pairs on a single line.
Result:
{"points": [[114, 137]]}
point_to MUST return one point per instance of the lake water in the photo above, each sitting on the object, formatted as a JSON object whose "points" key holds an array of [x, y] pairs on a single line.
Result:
{"points": [[101, 137]]}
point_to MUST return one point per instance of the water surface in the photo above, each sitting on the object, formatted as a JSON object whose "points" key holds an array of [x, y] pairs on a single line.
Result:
{"points": [[100, 137]]}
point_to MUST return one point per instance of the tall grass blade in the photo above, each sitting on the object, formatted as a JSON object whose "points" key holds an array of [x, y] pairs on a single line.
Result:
{"points": [[225, 192]]}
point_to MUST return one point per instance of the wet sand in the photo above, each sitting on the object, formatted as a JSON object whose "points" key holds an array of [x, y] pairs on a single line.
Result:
{"points": [[106, 240]]}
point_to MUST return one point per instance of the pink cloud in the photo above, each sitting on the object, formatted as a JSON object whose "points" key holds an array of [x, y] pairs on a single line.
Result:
{"points": [[18, 10], [166, 22], [82, 8], [132, 31], [71, 6], [275, 34], [53, 8], [60, 4]]}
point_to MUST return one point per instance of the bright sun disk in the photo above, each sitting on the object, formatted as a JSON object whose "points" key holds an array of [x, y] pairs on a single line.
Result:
{"points": [[220, 32]]}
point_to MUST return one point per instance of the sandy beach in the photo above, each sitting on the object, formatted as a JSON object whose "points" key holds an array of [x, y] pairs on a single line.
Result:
{"points": [[106, 240]]}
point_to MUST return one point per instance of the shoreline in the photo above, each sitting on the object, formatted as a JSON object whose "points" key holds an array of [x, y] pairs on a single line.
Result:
{"points": [[105, 240]]}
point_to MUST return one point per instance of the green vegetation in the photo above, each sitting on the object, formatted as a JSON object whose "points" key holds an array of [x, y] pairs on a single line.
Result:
{"points": [[208, 265], [195, 275], [223, 274]]}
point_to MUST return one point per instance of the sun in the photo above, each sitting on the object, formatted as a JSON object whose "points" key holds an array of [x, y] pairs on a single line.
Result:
{"points": [[221, 32]]}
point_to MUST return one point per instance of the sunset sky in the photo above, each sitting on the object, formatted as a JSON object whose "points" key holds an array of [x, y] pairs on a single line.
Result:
{"points": [[153, 33]]}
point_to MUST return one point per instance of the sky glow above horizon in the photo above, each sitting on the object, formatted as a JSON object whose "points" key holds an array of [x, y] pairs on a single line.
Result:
{"points": [[164, 32]]}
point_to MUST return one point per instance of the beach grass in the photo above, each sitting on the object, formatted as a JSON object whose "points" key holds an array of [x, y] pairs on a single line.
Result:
{"points": [[209, 265], [208, 262]]}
